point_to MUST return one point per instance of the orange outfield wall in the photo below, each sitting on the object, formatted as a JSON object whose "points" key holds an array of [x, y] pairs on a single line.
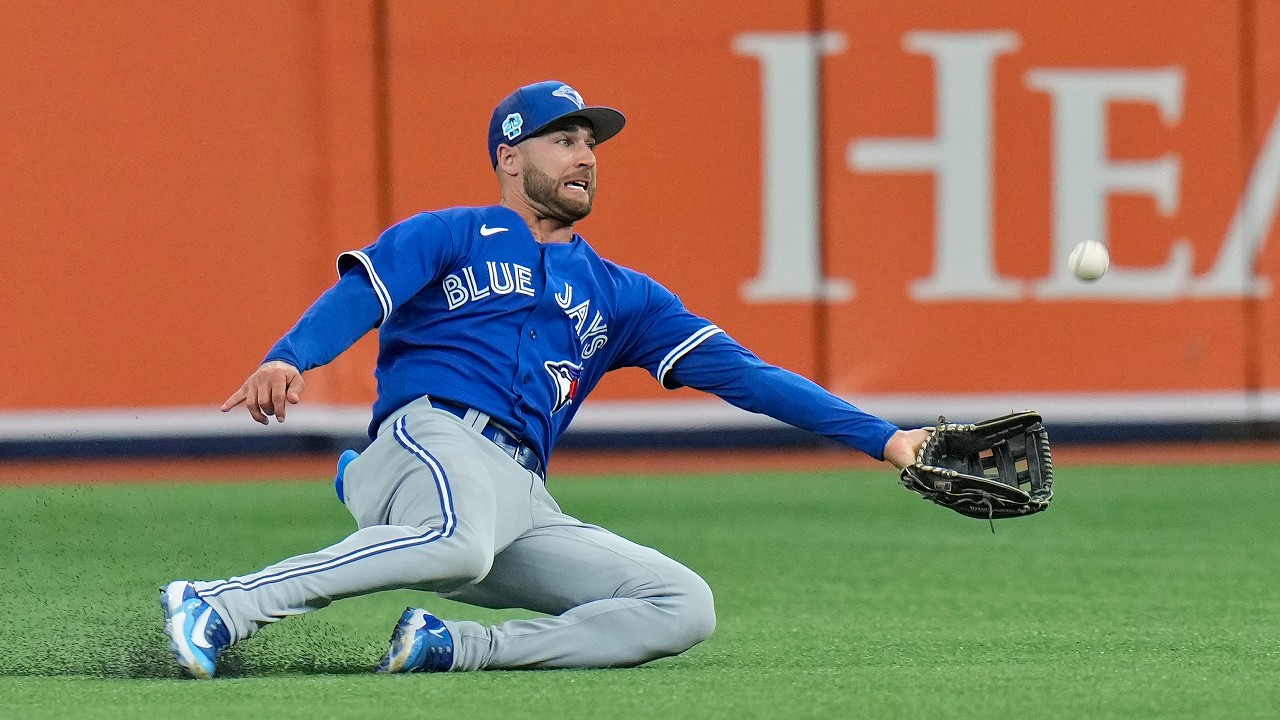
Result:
{"points": [[176, 179]]}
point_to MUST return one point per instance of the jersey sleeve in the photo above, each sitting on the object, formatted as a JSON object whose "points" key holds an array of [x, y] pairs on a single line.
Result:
{"points": [[408, 256], [333, 323], [723, 367], [665, 331]]}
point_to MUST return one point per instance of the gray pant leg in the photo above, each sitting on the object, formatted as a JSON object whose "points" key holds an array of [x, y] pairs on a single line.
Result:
{"points": [[615, 603], [434, 501]]}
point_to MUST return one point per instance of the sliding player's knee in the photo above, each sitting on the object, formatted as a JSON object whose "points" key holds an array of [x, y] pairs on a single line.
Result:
{"points": [[688, 611], [465, 563], [448, 563], [696, 612]]}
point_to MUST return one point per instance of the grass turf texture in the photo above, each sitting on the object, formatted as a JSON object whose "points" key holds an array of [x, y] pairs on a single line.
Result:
{"points": [[1143, 593]]}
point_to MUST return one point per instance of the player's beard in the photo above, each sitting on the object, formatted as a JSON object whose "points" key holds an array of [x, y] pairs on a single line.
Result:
{"points": [[544, 190]]}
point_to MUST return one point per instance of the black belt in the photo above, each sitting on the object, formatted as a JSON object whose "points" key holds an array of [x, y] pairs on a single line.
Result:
{"points": [[524, 455]]}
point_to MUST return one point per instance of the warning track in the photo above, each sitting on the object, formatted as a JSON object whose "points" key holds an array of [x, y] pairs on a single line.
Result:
{"points": [[579, 463]]}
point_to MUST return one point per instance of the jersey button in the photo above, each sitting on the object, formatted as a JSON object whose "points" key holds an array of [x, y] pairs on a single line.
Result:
{"points": [[533, 334], [527, 377]]}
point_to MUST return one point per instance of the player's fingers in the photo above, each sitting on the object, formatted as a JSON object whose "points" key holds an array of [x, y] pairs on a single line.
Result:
{"points": [[277, 399], [296, 386], [236, 398], [265, 404], [255, 412], [256, 400]]}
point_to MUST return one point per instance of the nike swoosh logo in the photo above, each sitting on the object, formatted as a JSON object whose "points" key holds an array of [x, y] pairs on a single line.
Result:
{"points": [[486, 231], [438, 632], [198, 631]]}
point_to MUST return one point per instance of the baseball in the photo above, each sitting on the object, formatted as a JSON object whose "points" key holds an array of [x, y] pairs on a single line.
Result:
{"points": [[1088, 260]]}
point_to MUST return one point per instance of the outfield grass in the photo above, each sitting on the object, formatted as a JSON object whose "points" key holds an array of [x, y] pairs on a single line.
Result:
{"points": [[1143, 593]]}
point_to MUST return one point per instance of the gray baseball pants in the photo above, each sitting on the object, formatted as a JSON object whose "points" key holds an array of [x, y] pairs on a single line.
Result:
{"points": [[442, 509]]}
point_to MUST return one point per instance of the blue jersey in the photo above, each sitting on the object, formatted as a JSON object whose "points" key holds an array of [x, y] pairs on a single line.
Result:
{"points": [[476, 311], [473, 310]]}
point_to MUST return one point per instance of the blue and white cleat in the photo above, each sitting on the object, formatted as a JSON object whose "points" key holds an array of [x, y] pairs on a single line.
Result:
{"points": [[196, 631], [420, 643]]}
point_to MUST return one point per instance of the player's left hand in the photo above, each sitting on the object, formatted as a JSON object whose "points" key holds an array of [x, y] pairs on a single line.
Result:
{"points": [[903, 445]]}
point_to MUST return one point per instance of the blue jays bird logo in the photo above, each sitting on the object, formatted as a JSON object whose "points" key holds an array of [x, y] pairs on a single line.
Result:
{"points": [[570, 94], [565, 375]]}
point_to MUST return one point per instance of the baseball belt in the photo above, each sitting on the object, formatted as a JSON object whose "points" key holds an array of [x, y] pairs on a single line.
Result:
{"points": [[519, 451]]}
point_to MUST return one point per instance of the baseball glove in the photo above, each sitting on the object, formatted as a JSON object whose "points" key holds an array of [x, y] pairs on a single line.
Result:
{"points": [[998, 468]]}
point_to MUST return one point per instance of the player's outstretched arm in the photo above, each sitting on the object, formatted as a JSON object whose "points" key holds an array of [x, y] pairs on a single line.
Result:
{"points": [[903, 445], [333, 323], [268, 391], [721, 366]]}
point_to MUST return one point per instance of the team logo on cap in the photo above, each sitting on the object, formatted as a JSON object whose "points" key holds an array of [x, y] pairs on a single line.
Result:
{"points": [[511, 126], [570, 94], [565, 375]]}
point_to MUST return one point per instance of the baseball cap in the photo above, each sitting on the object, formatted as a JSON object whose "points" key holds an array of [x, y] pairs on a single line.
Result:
{"points": [[530, 109]]}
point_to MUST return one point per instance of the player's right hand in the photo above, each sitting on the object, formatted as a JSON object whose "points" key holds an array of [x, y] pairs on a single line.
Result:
{"points": [[268, 390]]}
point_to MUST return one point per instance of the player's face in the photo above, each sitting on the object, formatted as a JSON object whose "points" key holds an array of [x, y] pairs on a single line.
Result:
{"points": [[559, 174]]}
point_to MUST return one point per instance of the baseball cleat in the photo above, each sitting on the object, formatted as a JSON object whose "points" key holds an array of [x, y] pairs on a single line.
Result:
{"points": [[196, 631], [420, 643]]}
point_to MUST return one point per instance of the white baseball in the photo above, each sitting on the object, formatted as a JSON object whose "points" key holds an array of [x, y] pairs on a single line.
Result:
{"points": [[1089, 260]]}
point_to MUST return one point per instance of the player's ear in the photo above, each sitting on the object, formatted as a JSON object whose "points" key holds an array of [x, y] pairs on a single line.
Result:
{"points": [[509, 161]]}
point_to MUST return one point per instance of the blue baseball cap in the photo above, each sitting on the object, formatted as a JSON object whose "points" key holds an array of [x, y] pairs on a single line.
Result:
{"points": [[530, 109]]}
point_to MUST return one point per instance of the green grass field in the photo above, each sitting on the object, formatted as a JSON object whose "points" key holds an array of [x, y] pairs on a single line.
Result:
{"points": [[1143, 593]]}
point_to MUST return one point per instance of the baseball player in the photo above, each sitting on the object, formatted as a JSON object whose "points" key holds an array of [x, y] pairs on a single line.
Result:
{"points": [[494, 325]]}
